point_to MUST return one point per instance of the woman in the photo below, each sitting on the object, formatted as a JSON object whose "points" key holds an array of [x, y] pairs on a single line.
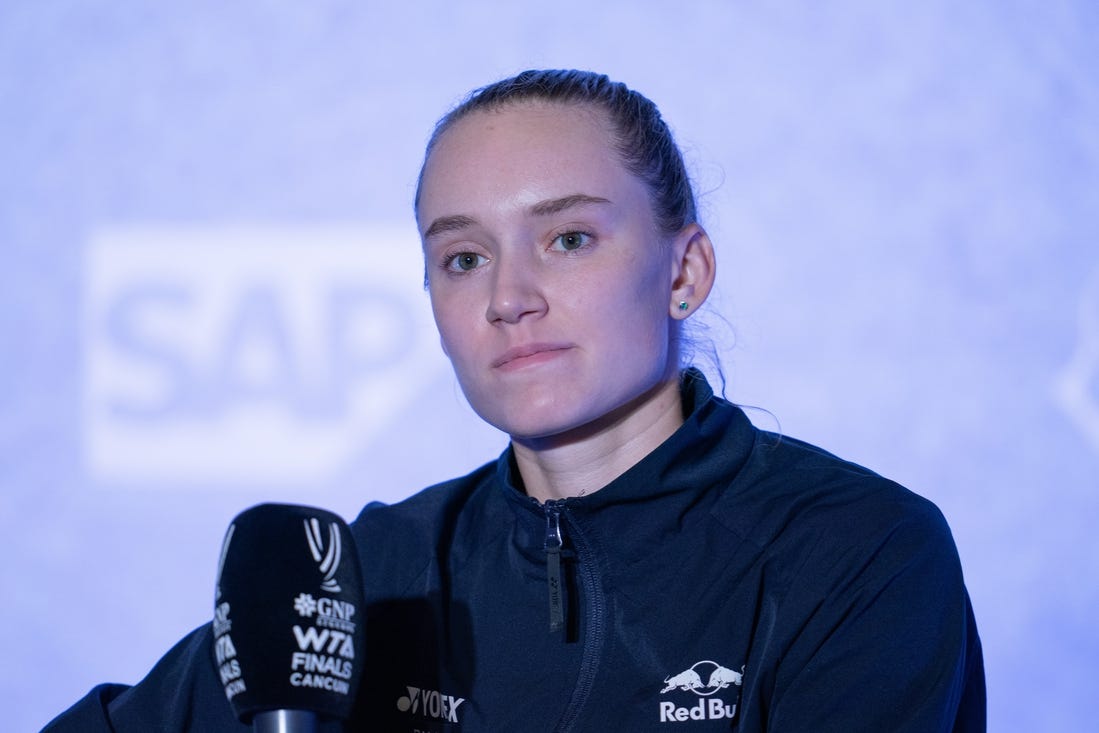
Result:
{"points": [[641, 557]]}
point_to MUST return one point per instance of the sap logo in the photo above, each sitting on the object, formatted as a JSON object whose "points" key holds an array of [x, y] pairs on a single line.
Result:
{"points": [[248, 356]]}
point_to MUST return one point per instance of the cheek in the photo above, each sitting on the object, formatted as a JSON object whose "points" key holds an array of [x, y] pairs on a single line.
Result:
{"points": [[644, 294], [629, 323], [457, 324], [444, 324], [645, 300]]}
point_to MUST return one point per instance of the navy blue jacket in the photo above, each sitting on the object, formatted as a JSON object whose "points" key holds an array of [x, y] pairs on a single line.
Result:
{"points": [[731, 580]]}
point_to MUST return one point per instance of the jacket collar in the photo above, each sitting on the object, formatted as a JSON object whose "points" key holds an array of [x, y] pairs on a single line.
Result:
{"points": [[676, 484]]}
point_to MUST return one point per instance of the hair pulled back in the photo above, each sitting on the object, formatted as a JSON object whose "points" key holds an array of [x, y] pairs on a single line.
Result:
{"points": [[642, 138]]}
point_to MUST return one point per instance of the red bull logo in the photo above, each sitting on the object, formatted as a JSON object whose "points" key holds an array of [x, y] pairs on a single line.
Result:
{"points": [[704, 679]]}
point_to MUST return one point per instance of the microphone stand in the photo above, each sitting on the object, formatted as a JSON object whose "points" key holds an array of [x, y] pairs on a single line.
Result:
{"points": [[285, 721]]}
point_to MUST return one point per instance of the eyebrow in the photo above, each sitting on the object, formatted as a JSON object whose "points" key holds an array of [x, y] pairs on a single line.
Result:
{"points": [[449, 224], [556, 206], [548, 207]]}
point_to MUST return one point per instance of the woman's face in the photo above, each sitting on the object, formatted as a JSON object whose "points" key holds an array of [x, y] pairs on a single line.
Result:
{"points": [[549, 281]]}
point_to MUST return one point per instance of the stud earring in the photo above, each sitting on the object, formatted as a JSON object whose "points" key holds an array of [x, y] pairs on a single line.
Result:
{"points": [[683, 305]]}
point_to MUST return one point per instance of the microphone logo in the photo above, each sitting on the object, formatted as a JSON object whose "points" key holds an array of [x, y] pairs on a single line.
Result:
{"points": [[328, 560]]}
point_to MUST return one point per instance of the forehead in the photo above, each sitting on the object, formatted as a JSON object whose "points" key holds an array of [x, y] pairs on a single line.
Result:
{"points": [[528, 122], [522, 153]]}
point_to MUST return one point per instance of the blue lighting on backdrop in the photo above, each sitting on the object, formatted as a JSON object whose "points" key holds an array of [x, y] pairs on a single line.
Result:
{"points": [[211, 286]]}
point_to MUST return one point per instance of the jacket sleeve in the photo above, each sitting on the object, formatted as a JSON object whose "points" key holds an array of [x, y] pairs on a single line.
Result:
{"points": [[181, 694], [887, 642], [89, 714]]}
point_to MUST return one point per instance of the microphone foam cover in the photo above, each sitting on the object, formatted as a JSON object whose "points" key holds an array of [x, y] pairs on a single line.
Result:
{"points": [[288, 626]]}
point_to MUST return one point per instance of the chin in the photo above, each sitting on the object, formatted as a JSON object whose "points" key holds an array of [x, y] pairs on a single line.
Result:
{"points": [[528, 423], [557, 429], [529, 427]]}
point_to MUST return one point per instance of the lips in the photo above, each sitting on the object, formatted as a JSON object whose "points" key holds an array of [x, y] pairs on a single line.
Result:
{"points": [[528, 354]]}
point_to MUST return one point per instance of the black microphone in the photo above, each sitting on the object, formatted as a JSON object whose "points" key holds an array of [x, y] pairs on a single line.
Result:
{"points": [[288, 626]]}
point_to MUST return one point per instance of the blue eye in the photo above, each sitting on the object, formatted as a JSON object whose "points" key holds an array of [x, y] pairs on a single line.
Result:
{"points": [[570, 241], [464, 262]]}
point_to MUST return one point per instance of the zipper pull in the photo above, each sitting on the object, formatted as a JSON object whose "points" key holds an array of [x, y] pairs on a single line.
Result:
{"points": [[553, 546]]}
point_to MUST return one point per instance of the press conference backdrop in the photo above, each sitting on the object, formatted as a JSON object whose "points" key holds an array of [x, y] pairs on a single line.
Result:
{"points": [[211, 285]]}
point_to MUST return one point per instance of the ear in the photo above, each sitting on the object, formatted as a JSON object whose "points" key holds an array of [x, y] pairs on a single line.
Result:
{"points": [[694, 268]]}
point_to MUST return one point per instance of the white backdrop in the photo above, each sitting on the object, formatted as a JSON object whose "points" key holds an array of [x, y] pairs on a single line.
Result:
{"points": [[210, 285]]}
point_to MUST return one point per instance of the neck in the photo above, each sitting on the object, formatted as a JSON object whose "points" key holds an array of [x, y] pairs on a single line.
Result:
{"points": [[586, 460]]}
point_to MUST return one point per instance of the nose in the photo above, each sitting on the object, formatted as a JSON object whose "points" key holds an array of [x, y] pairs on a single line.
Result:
{"points": [[516, 291]]}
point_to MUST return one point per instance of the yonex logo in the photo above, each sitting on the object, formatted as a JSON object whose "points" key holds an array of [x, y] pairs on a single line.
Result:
{"points": [[328, 560], [430, 704]]}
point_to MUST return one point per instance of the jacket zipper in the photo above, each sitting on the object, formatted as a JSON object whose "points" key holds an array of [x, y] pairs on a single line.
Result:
{"points": [[593, 604], [553, 545]]}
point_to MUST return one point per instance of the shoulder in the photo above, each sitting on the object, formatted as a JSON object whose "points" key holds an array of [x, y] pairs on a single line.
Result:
{"points": [[426, 509], [830, 517], [399, 541], [786, 478], [181, 693], [864, 581]]}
